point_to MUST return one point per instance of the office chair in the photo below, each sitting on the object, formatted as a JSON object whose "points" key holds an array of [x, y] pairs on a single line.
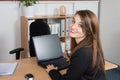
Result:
{"points": [[17, 51], [37, 28]]}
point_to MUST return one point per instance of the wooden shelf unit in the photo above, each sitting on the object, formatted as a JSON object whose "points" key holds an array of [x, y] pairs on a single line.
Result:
{"points": [[25, 31]]}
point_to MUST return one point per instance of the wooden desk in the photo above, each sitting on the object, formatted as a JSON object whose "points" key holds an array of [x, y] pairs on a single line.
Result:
{"points": [[29, 65], [109, 65]]}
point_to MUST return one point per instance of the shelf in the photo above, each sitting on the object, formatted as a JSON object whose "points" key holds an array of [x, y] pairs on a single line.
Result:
{"points": [[25, 30], [49, 17]]}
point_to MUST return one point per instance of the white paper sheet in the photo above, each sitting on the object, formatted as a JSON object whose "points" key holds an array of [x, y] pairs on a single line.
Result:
{"points": [[8, 68]]}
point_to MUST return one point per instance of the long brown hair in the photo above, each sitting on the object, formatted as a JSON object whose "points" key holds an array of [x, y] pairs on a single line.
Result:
{"points": [[90, 26]]}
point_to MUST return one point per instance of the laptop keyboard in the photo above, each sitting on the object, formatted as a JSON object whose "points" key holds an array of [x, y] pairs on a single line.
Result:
{"points": [[60, 63]]}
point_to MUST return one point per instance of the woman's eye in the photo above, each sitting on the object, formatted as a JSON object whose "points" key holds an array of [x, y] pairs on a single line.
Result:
{"points": [[80, 25]]}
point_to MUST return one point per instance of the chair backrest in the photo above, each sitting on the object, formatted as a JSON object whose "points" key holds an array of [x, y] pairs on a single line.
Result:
{"points": [[37, 28]]}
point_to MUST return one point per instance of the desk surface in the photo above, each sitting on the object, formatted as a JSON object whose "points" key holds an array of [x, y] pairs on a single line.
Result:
{"points": [[29, 65]]}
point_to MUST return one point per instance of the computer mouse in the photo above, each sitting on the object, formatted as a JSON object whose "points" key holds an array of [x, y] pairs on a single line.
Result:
{"points": [[29, 76]]}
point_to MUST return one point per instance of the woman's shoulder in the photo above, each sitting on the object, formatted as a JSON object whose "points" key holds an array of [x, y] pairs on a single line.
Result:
{"points": [[83, 51]]}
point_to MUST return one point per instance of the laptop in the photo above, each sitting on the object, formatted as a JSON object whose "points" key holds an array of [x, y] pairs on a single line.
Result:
{"points": [[48, 51]]}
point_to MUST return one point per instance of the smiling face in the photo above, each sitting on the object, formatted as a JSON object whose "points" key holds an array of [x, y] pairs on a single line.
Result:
{"points": [[76, 30]]}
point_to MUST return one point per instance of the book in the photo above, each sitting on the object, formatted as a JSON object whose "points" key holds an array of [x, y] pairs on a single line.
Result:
{"points": [[8, 68]]}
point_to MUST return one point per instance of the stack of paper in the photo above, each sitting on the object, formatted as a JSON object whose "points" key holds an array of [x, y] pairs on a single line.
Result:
{"points": [[7, 68]]}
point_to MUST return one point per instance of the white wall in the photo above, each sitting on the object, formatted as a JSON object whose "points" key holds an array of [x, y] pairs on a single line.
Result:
{"points": [[110, 29], [9, 29], [10, 20], [86, 5]]}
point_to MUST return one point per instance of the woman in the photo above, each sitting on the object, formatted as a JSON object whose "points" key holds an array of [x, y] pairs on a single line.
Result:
{"points": [[87, 60]]}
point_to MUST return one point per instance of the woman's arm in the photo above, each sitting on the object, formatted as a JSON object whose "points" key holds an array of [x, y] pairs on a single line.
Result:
{"points": [[79, 64]]}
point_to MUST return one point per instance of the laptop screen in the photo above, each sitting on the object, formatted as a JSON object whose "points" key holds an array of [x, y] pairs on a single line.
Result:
{"points": [[47, 47]]}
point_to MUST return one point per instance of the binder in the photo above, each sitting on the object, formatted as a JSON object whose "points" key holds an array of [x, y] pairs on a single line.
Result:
{"points": [[55, 28], [68, 22], [62, 24]]}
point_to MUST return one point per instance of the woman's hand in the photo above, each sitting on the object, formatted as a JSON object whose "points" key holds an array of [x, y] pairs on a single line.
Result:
{"points": [[51, 67], [66, 57]]}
